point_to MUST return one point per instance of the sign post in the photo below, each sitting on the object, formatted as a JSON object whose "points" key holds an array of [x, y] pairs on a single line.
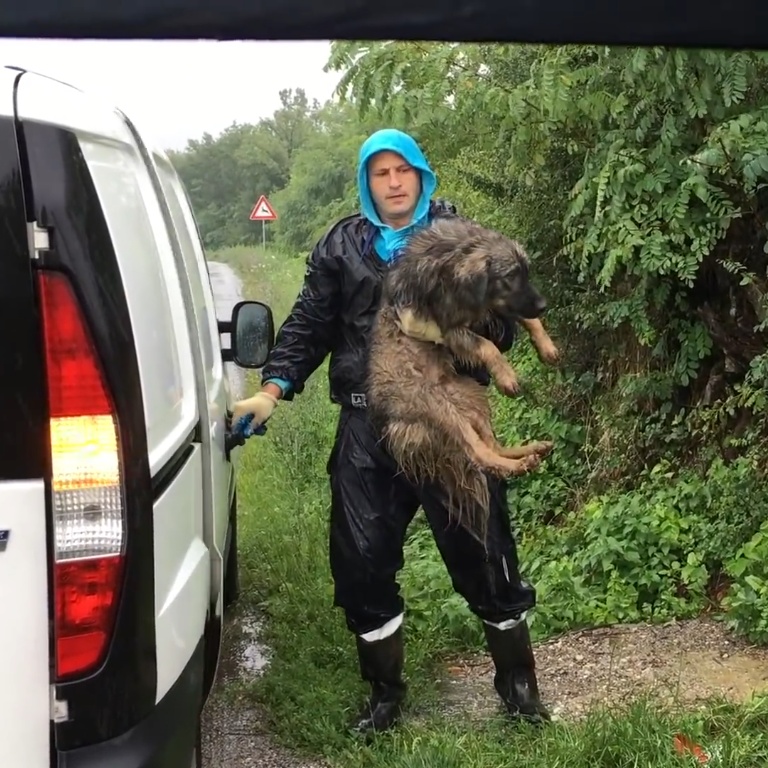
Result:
{"points": [[263, 212]]}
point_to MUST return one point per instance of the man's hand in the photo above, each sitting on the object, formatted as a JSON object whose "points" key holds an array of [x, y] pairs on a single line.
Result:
{"points": [[417, 328], [261, 405]]}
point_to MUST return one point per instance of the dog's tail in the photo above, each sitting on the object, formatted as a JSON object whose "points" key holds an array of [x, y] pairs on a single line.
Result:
{"points": [[429, 458]]}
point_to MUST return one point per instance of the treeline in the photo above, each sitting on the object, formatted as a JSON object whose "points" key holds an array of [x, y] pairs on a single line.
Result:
{"points": [[637, 180], [303, 158]]}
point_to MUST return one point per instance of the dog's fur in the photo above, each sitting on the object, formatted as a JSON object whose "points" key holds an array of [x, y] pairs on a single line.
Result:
{"points": [[436, 424]]}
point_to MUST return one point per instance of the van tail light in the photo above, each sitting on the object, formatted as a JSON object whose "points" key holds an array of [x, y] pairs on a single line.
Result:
{"points": [[86, 483]]}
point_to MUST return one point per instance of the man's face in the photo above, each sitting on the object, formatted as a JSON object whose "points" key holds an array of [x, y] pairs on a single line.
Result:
{"points": [[395, 187]]}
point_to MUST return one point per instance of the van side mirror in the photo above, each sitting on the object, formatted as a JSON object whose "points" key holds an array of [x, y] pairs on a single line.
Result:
{"points": [[251, 332]]}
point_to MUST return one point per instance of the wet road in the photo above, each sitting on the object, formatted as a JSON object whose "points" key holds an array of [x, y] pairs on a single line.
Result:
{"points": [[227, 291], [234, 733]]}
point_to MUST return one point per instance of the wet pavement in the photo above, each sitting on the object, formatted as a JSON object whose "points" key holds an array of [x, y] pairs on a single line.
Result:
{"points": [[234, 731], [227, 291]]}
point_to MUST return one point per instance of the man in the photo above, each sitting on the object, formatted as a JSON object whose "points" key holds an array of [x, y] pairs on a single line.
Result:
{"points": [[372, 504]]}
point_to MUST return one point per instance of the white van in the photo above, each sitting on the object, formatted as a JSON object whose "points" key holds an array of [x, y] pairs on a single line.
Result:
{"points": [[118, 548]]}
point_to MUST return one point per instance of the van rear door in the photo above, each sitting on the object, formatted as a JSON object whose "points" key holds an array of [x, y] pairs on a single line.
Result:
{"points": [[25, 711]]}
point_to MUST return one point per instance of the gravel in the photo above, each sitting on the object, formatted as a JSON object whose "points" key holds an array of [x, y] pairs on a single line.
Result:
{"points": [[234, 731], [234, 737], [685, 662]]}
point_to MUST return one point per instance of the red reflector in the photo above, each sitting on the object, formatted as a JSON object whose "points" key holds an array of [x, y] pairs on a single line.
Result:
{"points": [[86, 597], [75, 383]]}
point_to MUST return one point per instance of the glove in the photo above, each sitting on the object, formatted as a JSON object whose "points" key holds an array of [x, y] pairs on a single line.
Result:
{"points": [[417, 328], [261, 405]]}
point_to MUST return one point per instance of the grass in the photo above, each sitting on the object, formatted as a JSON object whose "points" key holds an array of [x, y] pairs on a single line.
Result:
{"points": [[311, 686]]}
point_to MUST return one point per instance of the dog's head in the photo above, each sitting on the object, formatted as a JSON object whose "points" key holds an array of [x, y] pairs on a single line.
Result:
{"points": [[508, 289], [491, 271], [458, 272]]}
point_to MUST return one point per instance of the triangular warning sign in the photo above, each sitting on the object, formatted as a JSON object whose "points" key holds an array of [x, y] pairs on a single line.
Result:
{"points": [[263, 211]]}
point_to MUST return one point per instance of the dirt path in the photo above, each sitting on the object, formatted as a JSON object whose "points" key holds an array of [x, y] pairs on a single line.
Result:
{"points": [[684, 661]]}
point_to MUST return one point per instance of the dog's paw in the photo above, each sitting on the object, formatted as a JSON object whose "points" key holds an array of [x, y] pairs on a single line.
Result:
{"points": [[531, 462], [508, 385], [542, 448], [547, 351], [516, 467]]}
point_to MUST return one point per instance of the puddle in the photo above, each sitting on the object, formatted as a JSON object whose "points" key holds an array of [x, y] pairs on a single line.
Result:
{"points": [[243, 656], [253, 655]]}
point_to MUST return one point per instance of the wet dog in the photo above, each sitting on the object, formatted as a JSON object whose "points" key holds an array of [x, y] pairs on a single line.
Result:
{"points": [[453, 276]]}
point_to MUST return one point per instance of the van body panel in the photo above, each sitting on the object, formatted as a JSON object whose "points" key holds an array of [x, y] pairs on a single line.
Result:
{"points": [[182, 571], [78, 180], [64, 202], [218, 466], [25, 709], [8, 79], [22, 377], [154, 295], [212, 399], [164, 739]]}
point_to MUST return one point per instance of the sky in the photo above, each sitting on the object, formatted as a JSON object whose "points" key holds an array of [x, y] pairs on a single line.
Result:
{"points": [[177, 90]]}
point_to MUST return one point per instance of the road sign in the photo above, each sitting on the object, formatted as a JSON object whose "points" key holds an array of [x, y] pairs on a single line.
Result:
{"points": [[263, 211]]}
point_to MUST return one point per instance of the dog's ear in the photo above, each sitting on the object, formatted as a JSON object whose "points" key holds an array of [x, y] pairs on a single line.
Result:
{"points": [[472, 278]]}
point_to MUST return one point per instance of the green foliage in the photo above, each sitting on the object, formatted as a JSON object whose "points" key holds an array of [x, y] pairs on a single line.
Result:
{"points": [[303, 158], [225, 176], [323, 186], [747, 602], [635, 178]]}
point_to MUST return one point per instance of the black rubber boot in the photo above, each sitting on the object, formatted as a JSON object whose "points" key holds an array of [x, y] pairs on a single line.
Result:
{"points": [[381, 665], [515, 678]]}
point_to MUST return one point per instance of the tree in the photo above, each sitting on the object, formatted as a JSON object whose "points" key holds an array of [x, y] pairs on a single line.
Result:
{"points": [[323, 185]]}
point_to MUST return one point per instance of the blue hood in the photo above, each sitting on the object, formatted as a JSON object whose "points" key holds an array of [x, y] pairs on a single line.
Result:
{"points": [[389, 241]]}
